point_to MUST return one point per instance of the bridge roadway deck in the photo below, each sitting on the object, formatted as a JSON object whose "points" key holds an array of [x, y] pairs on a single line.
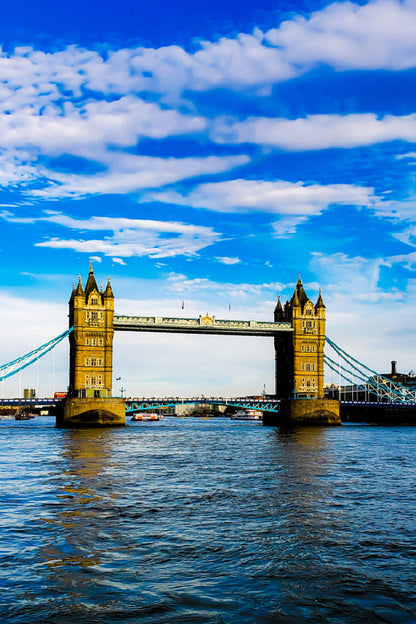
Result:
{"points": [[202, 325]]}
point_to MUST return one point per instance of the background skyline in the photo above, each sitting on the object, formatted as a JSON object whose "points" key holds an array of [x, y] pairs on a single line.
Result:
{"points": [[207, 156]]}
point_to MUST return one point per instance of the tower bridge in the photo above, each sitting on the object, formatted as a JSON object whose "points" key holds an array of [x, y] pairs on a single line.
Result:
{"points": [[297, 328], [298, 332]]}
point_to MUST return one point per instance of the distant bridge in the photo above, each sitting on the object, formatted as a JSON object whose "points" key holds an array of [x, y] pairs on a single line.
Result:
{"points": [[263, 405], [144, 404]]}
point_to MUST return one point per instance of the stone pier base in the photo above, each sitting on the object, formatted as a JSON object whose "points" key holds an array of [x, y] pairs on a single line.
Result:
{"points": [[77, 412], [305, 412]]}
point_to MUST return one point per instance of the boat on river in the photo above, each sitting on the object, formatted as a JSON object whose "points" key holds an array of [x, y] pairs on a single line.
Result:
{"points": [[146, 416], [247, 415], [23, 416]]}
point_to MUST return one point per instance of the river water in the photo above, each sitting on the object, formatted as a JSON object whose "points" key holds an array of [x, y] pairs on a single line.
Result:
{"points": [[207, 521]]}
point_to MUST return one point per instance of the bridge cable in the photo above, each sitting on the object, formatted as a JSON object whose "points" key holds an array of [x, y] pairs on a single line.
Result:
{"points": [[374, 382], [32, 356]]}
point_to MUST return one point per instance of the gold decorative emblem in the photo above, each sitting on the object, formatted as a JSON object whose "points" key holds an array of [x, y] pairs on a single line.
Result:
{"points": [[206, 320]]}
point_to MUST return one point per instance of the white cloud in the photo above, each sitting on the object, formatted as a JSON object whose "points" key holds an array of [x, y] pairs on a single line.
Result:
{"points": [[316, 132], [296, 200], [89, 130], [131, 237], [198, 288], [408, 260], [129, 173], [409, 155], [287, 226], [77, 102], [228, 260], [344, 35]]}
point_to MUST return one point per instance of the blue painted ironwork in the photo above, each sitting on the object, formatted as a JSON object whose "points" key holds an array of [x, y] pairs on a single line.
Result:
{"points": [[266, 405], [362, 377], [11, 368]]}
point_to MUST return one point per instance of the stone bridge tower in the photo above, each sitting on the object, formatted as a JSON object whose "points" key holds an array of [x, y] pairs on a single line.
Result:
{"points": [[300, 355], [89, 402], [91, 314], [299, 360]]}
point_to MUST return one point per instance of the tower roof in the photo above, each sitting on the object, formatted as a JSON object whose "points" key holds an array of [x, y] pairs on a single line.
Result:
{"points": [[295, 299], [303, 297], [108, 293], [320, 303], [91, 283], [79, 289], [278, 307]]}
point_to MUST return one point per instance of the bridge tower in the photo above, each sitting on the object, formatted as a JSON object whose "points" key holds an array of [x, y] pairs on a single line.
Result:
{"points": [[299, 360], [89, 402], [91, 313], [300, 355]]}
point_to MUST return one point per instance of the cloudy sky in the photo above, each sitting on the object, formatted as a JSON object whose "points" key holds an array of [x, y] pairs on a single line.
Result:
{"points": [[207, 153]]}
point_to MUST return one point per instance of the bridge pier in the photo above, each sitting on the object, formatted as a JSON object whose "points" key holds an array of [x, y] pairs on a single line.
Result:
{"points": [[305, 412], [89, 402], [300, 364], [91, 412]]}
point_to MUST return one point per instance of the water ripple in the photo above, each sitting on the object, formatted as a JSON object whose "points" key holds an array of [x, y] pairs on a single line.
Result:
{"points": [[208, 521]]}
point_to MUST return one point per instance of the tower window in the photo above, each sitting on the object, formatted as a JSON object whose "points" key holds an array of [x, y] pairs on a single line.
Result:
{"points": [[307, 366]]}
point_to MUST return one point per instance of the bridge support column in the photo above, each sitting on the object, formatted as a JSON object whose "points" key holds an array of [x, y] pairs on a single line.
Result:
{"points": [[305, 412], [310, 412], [93, 412], [300, 364], [89, 402]]}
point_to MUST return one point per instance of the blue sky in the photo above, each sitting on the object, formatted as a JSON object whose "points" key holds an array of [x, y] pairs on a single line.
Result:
{"points": [[208, 154]]}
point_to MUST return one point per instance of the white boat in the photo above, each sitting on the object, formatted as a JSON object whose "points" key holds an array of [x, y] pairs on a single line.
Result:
{"points": [[247, 415], [146, 416]]}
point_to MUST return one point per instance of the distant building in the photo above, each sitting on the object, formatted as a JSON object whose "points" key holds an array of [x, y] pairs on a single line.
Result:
{"points": [[408, 380]]}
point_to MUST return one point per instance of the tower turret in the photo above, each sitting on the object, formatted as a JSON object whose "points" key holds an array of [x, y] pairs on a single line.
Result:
{"points": [[91, 314], [299, 355], [278, 311]]}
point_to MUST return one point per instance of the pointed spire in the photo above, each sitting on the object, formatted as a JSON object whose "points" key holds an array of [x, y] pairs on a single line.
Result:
{"points": [[91, 283], [79, 290], [295, 299], [108, 293], [319, 303], [278, 311]]}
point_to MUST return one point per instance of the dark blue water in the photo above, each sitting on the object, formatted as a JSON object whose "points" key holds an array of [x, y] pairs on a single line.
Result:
{"points": [[207, 521]]}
